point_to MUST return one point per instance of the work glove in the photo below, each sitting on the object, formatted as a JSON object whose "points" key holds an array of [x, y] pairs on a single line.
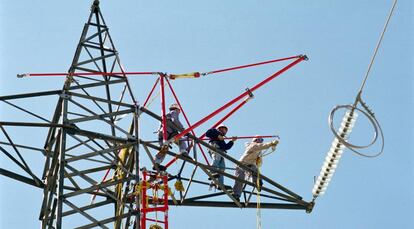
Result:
{"points": [[233, 138], [274, 142]]}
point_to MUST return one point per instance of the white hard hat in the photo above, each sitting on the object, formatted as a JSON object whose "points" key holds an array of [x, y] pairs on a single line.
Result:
{"points": [[222, 126], [257, 139], [174, 106]]}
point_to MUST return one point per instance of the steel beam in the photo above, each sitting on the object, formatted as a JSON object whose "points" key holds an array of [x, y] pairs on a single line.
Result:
{"points": [[233, 205], [30, 95], [20, 178]]}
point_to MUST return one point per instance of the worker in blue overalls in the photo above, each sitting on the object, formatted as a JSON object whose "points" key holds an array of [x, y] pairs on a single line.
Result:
{"points": [[217, 141]]}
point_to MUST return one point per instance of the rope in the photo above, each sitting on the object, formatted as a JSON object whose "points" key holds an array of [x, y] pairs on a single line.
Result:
{"points": [[151, 100], [259, 162], [258, 208]]}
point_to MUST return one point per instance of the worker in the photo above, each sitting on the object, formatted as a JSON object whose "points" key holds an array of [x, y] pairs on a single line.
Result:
{"points": [[217, 141], [173, 117], [249, 158]]}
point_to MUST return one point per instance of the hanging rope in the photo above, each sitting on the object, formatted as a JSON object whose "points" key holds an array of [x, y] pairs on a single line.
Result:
{"points": [[151, 100], [258, 208], [259, 162]]}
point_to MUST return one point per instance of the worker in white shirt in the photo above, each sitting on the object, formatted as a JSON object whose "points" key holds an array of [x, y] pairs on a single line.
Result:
{"points": [[249, 158]]}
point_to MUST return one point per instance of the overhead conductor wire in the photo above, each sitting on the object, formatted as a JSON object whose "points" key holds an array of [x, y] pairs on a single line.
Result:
{"points": [[340, 142], [366, 111]]}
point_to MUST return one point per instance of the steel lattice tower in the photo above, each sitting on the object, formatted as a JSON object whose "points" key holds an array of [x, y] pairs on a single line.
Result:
{"points": [[94, 130]]}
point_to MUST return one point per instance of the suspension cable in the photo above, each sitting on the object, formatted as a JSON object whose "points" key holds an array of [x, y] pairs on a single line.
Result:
{"points": [[377, 47], [348, 122], [366, 111]]}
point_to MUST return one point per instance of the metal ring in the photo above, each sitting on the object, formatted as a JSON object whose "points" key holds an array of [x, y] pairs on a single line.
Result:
{"points": [[342, 140], [350, 146]]}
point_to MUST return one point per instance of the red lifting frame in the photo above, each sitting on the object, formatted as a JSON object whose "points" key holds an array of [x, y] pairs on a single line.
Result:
{"points": [[152, 90], [87, 74], [298, 60], [188, 123], [247, 137], [250, 65], [146, 209], [227, 116], [97, 190], [215, 125], [148, 73], [164, 118]]}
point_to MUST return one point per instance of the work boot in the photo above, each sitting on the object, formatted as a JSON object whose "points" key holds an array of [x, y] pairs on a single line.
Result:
{"points": [[211, 186], [160, 167], [214, 175], [260, 186], [236, 197], [225, 187]]}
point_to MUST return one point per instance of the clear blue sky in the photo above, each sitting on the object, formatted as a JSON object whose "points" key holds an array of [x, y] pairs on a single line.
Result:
{"points": [[184, 36]]}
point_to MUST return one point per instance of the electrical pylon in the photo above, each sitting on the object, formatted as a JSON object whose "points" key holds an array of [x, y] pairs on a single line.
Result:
{"points": [[91, 176]]}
